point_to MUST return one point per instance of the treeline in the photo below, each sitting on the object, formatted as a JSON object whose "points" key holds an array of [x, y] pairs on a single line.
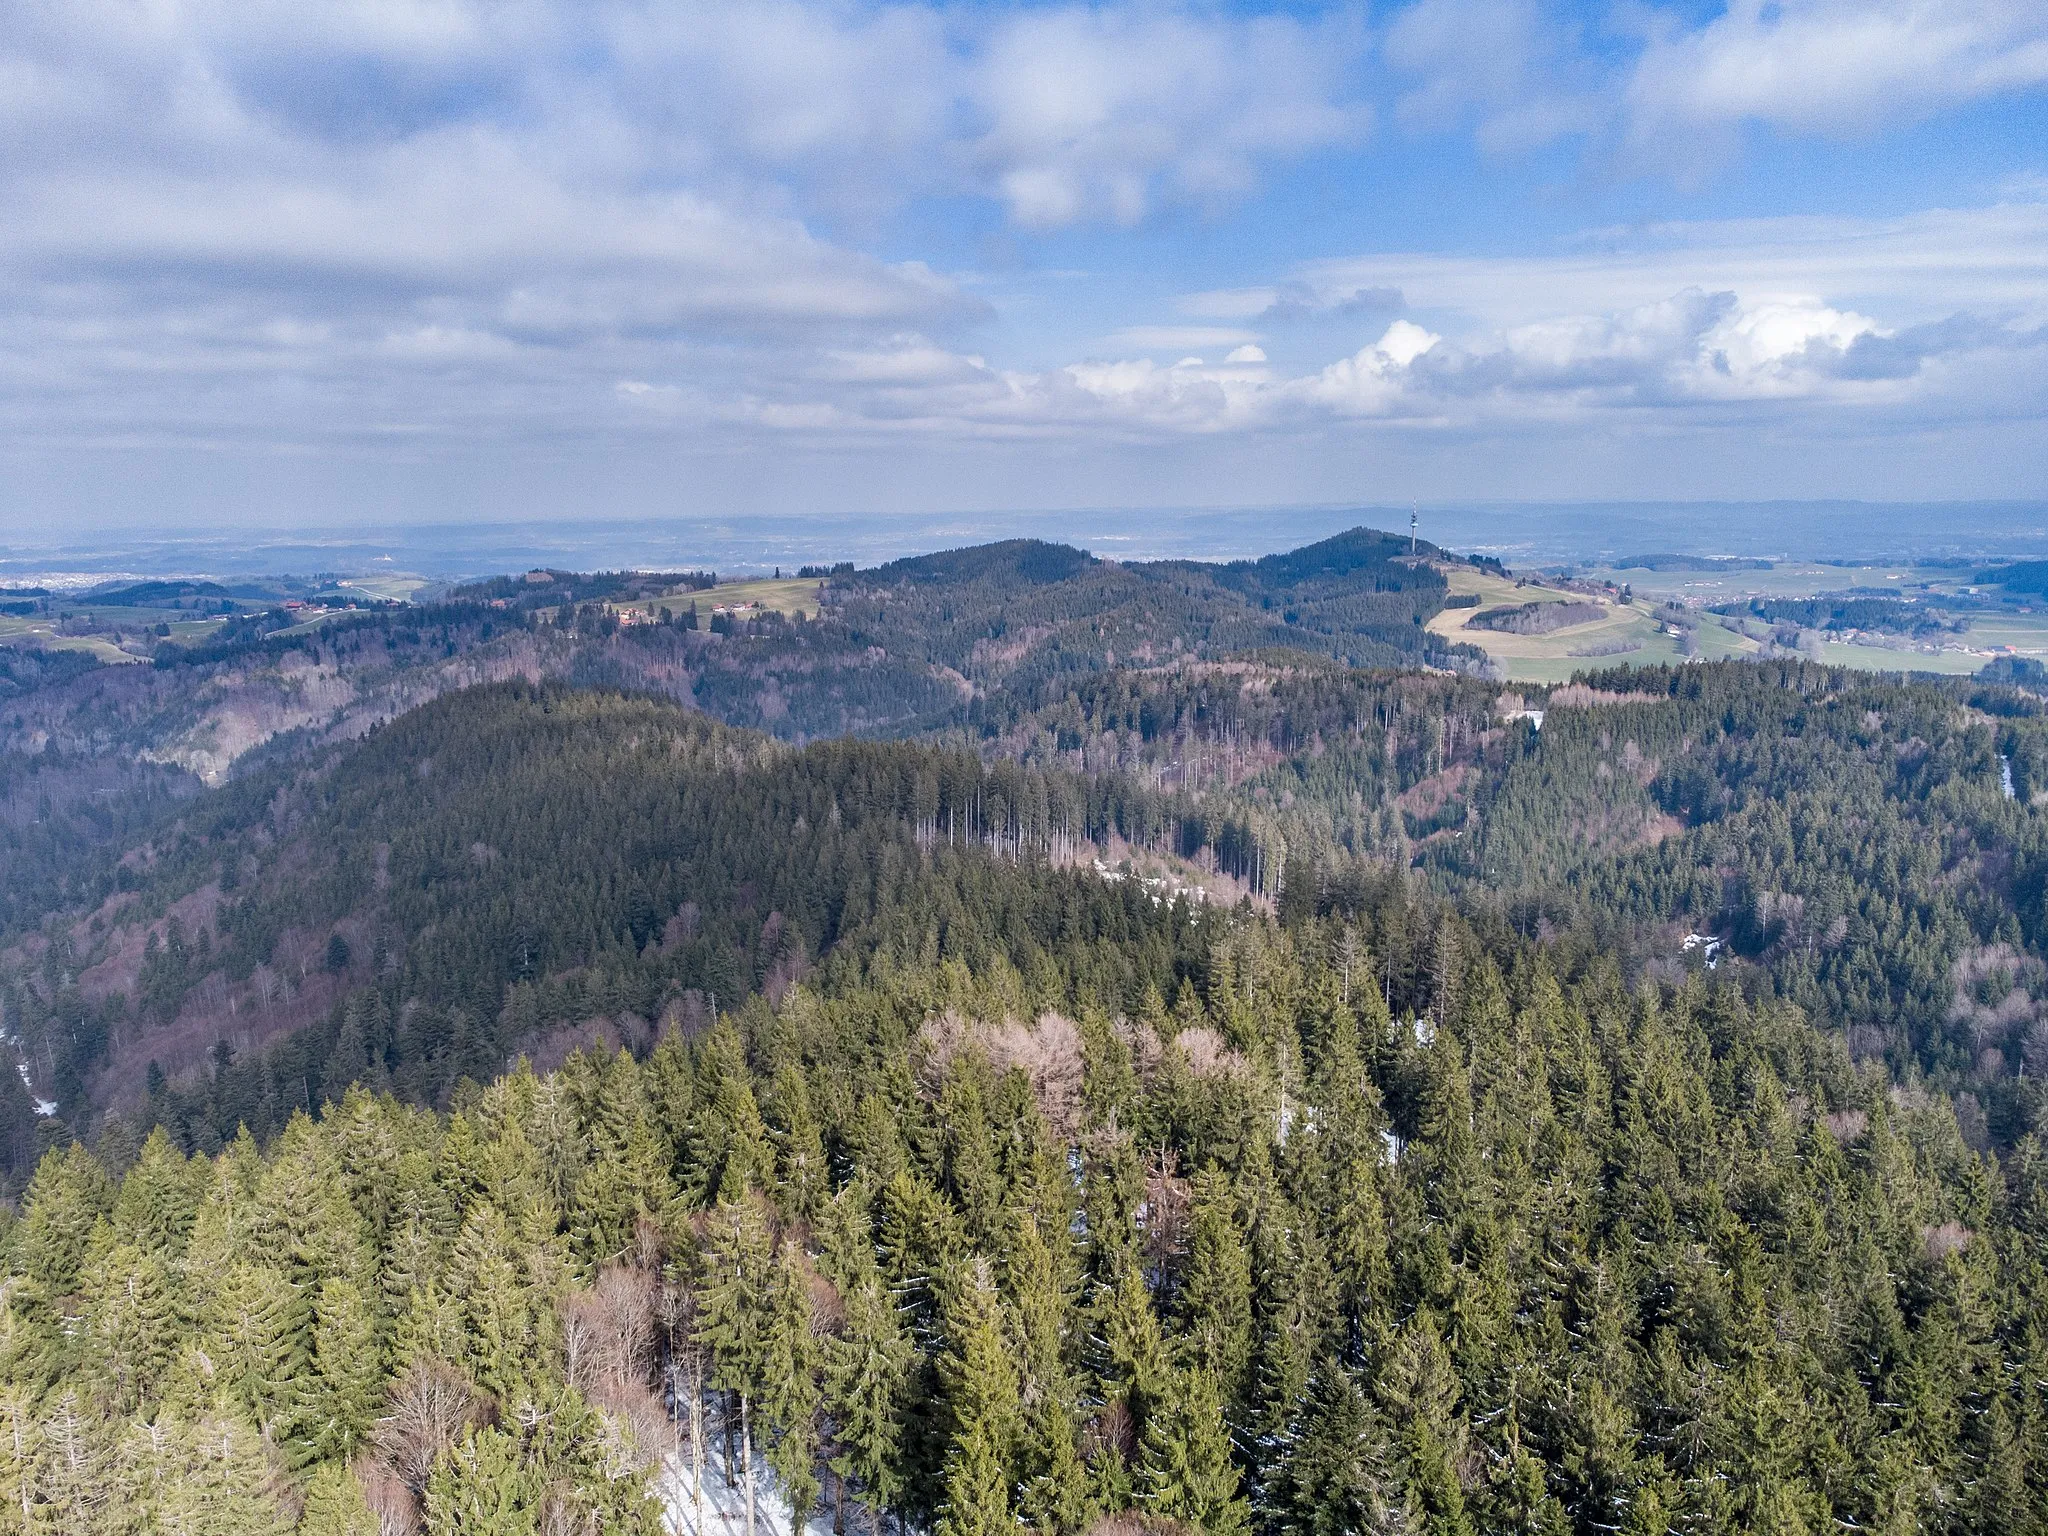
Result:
{"points": [[967, 1250], [1883, 614], [539, 589]]}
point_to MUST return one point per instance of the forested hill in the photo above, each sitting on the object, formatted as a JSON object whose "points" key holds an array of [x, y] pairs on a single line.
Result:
{"points": [[875, 1144], [1023, 611], [511, 862], [966, 1250], [918, 645], [1875, 846], [1871, 847]]}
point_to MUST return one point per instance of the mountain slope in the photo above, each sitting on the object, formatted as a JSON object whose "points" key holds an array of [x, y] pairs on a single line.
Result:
{"points": [[511, 861]]}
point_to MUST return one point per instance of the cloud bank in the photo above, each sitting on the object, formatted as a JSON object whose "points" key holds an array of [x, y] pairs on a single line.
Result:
{"points": [[464, 231]]}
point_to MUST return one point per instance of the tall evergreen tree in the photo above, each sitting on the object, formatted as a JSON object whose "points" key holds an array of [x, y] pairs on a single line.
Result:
{"points": [[1185, 1459], [737, 1282], [979, 1379]]}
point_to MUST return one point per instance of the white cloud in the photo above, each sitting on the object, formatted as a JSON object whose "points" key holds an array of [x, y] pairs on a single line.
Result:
{"points": [[1833, 65], [1684, 354], [288, 230], [1100, 113], [1374, 381], [1651, 88], [262, 221]]}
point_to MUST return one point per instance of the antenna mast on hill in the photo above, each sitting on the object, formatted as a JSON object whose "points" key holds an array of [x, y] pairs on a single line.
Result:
{"points": [[1414, 517]]}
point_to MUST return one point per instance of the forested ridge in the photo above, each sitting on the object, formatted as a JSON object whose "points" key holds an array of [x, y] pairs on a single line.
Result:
{"points": [[910, 647], [1872, 843], [511, 861]]}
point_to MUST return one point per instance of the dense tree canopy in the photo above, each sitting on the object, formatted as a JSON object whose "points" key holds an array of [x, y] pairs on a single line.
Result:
{"points": [[1197, 1084], [962, 1247]]}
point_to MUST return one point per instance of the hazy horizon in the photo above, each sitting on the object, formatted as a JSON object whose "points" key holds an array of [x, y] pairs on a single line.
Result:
{"points": [[1529, 534]]}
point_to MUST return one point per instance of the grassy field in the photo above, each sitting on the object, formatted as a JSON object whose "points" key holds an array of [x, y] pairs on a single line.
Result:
{"points": [[1786, 579], [1879, 658], [2026, 633], [790, 595], [42, 633], [1549, 658], [387, 586]]}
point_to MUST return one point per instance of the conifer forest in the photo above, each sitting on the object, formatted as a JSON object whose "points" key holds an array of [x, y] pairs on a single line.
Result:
{"points": [[1031, 1046]]}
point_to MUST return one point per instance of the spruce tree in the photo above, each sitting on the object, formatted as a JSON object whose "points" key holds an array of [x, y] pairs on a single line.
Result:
{"points": [[260, 1348], [339, 1396], [802, 1176], [500, 1316], [737, 1280], [1185, 1462], [131, 1322], [979, 1378], [867, 1374], [789, 1382], [1335, 1471], [1133, 1368], [1215, 1296], [1053, 1498]]}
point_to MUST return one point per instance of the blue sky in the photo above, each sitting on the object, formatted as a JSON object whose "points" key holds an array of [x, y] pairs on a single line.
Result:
{"points": [[375, 261]]}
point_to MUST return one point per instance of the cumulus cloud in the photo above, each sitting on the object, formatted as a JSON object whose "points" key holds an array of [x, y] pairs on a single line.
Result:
{"points": [[467, 225], [473, 212], [1375, 381], [1690, 352]]}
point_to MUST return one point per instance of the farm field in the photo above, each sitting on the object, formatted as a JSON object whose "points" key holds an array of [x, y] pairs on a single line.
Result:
{"points": [[1550, 658], [1880, 658], [388, 586], [2022, 634], [2026, 633], [1786, 579], [791, 595], [42, 633]]}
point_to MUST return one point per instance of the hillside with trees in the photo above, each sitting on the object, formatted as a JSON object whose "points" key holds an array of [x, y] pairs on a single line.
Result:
{"points": [[905, 648], [1155, 1075], [964, 1249]]}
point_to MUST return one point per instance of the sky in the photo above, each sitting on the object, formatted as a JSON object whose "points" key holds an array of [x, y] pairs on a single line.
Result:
{"points": [[267, 263]]}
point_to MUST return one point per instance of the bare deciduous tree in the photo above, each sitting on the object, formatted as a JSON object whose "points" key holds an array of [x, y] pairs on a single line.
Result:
{"points": [[432, 1404]]}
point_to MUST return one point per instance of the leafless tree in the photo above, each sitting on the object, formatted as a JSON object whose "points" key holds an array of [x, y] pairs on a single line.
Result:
{"points": [[432, 1404]]}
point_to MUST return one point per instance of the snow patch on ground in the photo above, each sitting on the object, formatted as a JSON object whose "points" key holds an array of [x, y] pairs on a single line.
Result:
{"points": [[725, 1504], [44, 1107]]}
